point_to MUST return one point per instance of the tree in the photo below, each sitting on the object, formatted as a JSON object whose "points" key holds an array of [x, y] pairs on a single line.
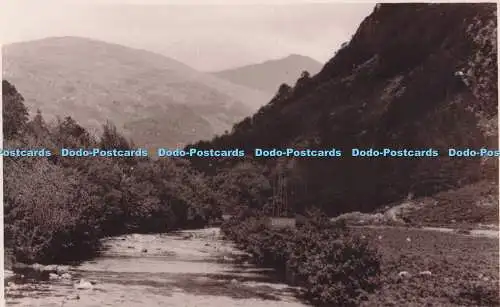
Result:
{"points": [[284, 92], [244, 184], [112, 139], [70, 134], [303, 81], [305, 75], [15, 114], [37, 127]]}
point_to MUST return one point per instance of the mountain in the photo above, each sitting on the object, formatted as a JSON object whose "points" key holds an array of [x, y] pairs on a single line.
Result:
{"points": [[269, 75], [414, 76], [154, 99]]}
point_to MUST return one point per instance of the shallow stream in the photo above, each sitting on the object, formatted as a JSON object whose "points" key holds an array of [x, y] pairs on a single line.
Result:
{"points": [[189, 268]]}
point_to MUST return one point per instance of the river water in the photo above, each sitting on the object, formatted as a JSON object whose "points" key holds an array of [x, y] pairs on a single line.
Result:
{"points": [[189, 268]]}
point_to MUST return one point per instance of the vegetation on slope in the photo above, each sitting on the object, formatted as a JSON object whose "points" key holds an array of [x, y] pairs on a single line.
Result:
{"points": [[57, 208], [413, 76]]}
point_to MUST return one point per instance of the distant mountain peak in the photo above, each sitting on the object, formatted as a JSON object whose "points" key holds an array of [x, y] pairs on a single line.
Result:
{"points": [[300, 56], [269, 75]]}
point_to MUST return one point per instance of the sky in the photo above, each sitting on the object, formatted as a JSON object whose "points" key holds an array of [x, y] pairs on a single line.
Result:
{"points": [[207, 35]]}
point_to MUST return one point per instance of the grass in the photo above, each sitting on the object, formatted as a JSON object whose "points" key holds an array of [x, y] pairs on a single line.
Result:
{"points": [[465, 269], [469, 205]]}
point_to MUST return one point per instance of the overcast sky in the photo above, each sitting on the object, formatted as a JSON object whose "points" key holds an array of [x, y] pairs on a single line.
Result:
{"points": [[206, 37]]}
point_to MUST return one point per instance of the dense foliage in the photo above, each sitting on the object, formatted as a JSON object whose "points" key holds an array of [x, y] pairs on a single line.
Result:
{"points": [[57, 208], [334, 267]]}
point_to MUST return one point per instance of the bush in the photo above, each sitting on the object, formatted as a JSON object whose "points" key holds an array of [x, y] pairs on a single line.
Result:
{"points": [[333, 266], [48, 213]]}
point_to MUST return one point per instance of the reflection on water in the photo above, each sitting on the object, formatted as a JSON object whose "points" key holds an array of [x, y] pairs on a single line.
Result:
{"points": [[189, 268]]}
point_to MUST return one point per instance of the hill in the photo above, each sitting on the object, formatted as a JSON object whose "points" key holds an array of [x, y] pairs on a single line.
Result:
{"points": [[413, 76], [154, 99], [269, 75]]}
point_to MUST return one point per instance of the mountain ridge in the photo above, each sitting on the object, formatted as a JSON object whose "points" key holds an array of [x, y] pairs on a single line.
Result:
{"points": [[128, 86], [270, 74]]}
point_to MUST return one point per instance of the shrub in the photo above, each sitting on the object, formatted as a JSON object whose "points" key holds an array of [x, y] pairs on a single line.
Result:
{"points": [[49, 216], [332, 265]]}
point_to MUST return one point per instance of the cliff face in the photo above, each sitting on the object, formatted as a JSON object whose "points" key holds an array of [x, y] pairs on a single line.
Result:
{"points": [[413, 76]]}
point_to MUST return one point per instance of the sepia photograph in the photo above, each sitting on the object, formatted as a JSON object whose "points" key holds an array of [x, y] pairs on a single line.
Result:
{"points": [[166, 153]]}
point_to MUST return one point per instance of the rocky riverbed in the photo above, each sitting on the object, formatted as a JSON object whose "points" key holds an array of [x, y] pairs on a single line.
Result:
{"points": [[188, 268]]}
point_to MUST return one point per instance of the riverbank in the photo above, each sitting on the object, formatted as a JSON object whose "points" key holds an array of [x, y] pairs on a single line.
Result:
{"points": [[433, 267], [420, 266], [186, 268]]}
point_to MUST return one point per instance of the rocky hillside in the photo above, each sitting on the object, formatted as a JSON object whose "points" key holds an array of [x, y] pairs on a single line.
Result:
{"points": [[154, 99], [269, 75], [413, 76]]}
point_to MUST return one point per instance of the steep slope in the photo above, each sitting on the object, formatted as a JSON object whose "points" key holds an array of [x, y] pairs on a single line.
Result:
{"points": [[269, 75], [157, 100], [397, 84]]}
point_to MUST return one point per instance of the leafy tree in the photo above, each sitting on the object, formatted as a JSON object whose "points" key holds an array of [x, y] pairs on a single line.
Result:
{"points": [[68, 133], [283, 93], [48, 219], [38, 127], [112, 139], [15, 114], [244, 184]]}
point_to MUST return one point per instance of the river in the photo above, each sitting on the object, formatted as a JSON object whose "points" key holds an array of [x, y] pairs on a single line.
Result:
{"points": [[188, 268]]}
